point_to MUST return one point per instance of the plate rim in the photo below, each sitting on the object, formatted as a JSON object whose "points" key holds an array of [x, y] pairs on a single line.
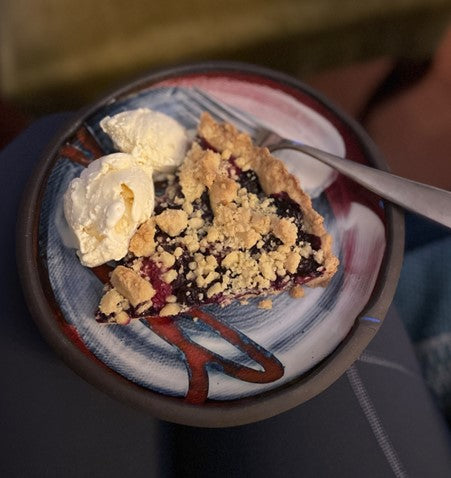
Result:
{"points": [[211, 414]]}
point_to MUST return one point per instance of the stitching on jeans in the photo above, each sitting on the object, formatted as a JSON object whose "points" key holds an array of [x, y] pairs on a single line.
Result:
{"points": [[378, 430], [374, 360]]}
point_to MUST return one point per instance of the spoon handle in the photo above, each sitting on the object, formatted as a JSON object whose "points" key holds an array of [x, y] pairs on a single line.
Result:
{"points": [[428, 201]]}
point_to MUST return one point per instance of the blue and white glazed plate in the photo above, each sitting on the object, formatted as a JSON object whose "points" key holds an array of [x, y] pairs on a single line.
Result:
{"points": [[218, 366]]}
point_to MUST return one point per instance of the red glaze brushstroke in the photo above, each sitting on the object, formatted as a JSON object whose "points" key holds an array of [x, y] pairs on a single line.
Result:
{"points": [[72, 333], [198, 358], [78, 155], [89, 142], [102, 272]]}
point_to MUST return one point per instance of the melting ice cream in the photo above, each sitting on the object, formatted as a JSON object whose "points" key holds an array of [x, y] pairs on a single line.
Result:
{"points": [[152, 137], [105, 206], [115, 194]]}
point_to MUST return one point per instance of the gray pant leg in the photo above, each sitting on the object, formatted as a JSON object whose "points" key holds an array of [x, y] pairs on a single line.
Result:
{"points": [[378, 420]]}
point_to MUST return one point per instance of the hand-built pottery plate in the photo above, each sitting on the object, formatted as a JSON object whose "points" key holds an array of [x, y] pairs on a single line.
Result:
{"points": [[237, 364]]}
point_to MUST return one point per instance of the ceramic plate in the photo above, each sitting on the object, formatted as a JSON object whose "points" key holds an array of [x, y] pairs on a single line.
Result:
{"points": [[232, 365]]}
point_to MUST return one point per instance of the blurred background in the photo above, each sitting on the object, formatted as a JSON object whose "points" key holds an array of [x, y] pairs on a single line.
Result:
{"points": [[387, 63], [58, 55]]}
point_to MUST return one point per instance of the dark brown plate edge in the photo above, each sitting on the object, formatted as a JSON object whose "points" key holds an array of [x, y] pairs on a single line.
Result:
{"points": [[211, 414]]}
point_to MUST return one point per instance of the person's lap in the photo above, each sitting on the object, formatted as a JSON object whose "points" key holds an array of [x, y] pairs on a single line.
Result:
{"points": [[376, 420]]}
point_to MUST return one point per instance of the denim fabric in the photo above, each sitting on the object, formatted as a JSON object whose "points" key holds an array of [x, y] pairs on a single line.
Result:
{"points": [[423, 299]]}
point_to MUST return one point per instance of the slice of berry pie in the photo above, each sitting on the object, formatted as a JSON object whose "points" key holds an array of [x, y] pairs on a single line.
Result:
{"points": [[231, 224]]}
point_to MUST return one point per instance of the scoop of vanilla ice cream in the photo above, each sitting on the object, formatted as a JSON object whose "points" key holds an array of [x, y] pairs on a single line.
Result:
{"points": [[152, 137], [106, 204]]}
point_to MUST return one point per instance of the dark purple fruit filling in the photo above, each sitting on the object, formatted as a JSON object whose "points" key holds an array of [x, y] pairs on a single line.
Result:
{"points": [[103, 318], [152, 273], [203, 203], [308, 268], [187, 292], [249, 180], [270, 243], [313, 240], [280, 283], [204, 144], [286, 207], [163, 239]]}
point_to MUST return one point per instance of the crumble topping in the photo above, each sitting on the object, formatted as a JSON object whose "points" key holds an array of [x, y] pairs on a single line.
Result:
{"points": [[172, 221], [265, 304], [143, 243], [222, 192], [113, 302], [231, 223], [285, 230], [169, 276], [199, 170], [297, 292], [170, 309], [132, 286]]}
